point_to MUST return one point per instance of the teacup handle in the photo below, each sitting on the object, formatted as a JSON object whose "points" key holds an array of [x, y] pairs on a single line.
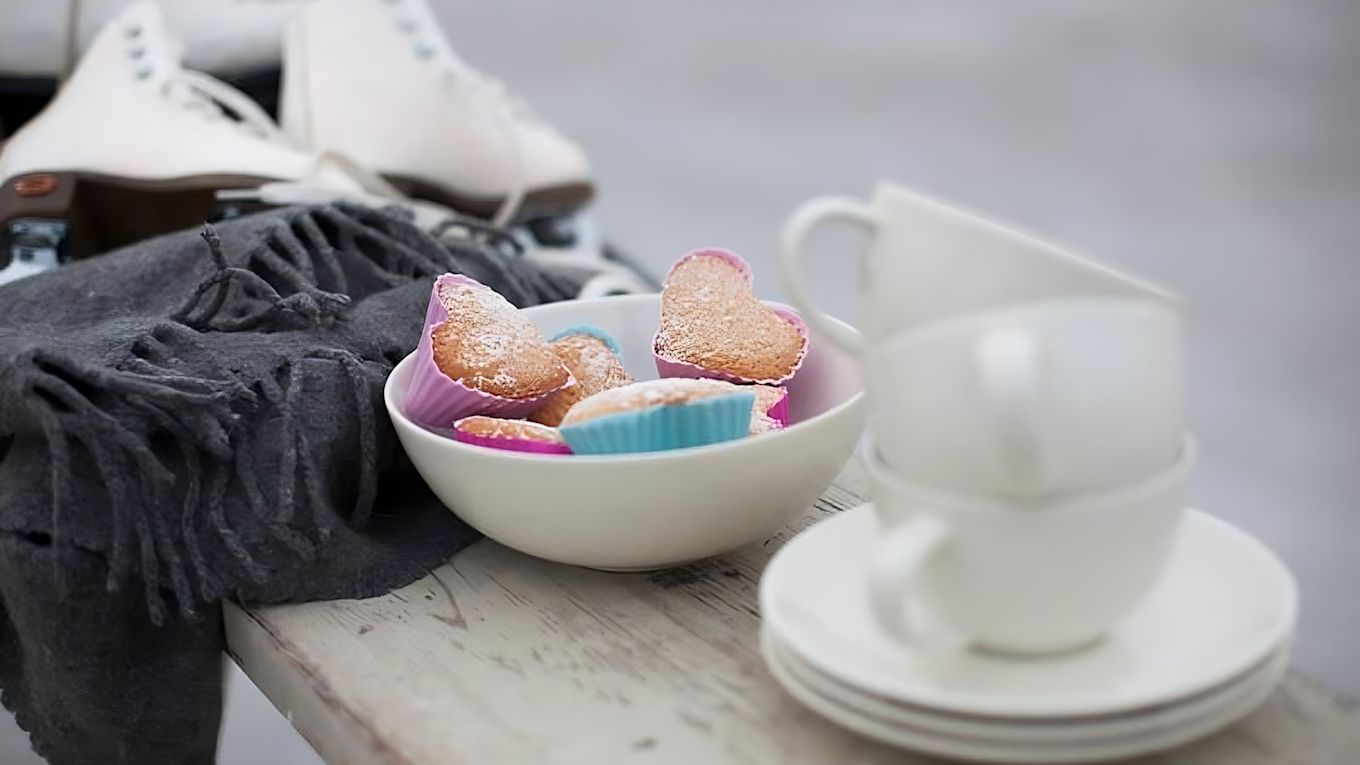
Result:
{"points": [[814, 213], [1010, 370], [895, 570]]}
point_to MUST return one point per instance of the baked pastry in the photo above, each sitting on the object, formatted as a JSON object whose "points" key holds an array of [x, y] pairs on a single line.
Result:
{"points": [[512, 435], [595, 363], [478, 355], [712, 325], [771, 410], [488, 345], [655, 415]]}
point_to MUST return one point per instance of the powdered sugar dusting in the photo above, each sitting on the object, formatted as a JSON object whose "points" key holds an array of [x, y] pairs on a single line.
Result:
{"points": [[767, 396], [710, 318], [594, 363], [594, 367], [762, 424], [487, 344], [494, 427], [501, 330]]}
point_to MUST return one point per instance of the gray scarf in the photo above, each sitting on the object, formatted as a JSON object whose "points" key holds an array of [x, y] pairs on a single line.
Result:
{"points": [[196, 418]]}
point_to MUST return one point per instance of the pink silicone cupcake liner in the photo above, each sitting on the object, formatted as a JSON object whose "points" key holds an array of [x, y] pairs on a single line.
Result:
{"points": [[780, 411], [434, 399], [669, 367], [511, 444]]}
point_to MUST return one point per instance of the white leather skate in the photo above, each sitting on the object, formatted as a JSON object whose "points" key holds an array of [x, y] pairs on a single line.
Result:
{"points": [[225, 37], [133, 145], [376, 80]]}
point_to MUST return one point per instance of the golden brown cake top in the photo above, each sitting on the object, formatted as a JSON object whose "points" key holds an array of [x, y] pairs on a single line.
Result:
{"points": [[494, 427], [594, 367], [488, 345], [710, 318]]}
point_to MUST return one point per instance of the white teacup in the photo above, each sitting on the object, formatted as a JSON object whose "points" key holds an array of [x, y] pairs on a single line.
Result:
{"points": [[1050, 397], [927, 261], [1017, 576]]}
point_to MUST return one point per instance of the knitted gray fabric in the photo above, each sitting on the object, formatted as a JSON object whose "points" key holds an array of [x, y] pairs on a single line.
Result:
{"points": [[188, 420]]}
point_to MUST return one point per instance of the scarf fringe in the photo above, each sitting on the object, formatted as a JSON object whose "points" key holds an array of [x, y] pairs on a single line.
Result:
{"points": [[164, 500], [58, 389], [169, 446]]}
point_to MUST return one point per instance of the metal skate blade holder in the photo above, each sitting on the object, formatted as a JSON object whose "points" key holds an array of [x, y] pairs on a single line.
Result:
{"points": [[34, 224], [31, 245]]}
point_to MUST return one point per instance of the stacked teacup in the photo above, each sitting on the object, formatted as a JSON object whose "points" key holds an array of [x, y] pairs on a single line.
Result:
{"points": [[1026, 444], [1025, 404]]}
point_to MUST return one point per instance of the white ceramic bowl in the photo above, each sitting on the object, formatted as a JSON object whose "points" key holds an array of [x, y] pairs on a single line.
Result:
{"points": [[653, 510]]}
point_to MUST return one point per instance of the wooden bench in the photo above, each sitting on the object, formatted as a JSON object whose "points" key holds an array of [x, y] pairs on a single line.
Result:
{"points": [[498, 657]]}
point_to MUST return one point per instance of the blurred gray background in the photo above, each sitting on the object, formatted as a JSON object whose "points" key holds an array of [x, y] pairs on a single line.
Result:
{"points": [[1211, 145]]}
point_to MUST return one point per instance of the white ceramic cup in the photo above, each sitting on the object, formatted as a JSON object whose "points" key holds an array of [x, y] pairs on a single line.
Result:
{"points": [[1018, 576], [1056, 396], [927, 260]]}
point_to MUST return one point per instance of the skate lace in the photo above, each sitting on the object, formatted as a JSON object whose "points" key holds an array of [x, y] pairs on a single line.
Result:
{"points": [[337, 177], [505, 109], [508, 109], [220, 102], [592, 258], [607, 277]]}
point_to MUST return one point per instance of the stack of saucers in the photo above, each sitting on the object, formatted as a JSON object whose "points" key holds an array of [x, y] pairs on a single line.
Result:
{"points": [[1027, 584], [1205, 648]]}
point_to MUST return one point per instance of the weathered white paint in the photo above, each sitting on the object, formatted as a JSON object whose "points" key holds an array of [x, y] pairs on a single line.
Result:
{"points": [[501, 658]]}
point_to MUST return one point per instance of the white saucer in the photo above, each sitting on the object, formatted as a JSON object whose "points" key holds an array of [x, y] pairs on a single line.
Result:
{"points": [[1149, 721], [1223, 607], [1000, 749]]}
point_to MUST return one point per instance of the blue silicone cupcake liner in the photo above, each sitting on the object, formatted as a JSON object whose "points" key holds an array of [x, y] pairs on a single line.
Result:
{"points": [[595, 332], [697, 423]]}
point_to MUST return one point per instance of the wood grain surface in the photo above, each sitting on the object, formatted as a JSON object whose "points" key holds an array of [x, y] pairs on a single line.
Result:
{"points": [[501, 658]]}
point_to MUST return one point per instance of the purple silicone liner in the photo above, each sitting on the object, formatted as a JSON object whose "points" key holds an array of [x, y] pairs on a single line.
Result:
{"points": [[434, 399], [525, 445], [780, 411], [669, 367]]}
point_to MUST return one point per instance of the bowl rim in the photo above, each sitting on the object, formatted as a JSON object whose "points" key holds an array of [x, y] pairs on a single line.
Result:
{"points": [[400, 419]]}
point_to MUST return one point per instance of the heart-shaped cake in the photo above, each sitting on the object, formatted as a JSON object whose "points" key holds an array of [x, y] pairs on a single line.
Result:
{"points": [[712, 325], [478, 355], [593, 358]]}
